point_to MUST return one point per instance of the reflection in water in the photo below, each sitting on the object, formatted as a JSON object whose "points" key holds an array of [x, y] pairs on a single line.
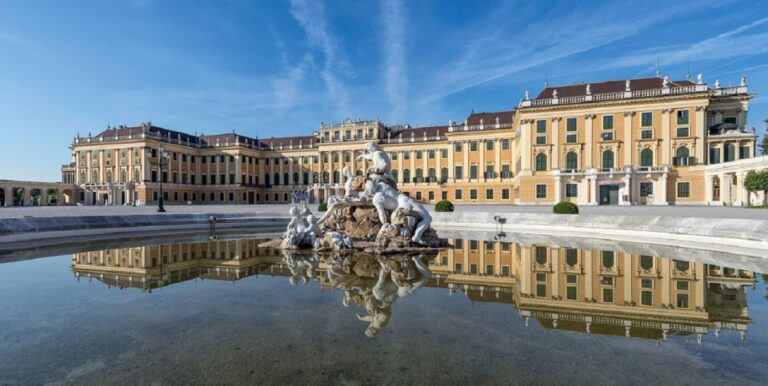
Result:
{"points": [[589, 291]]}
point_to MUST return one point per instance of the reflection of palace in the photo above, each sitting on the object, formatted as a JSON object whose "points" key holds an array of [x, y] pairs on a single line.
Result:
{"points": [[592, 291], [597, 291]]}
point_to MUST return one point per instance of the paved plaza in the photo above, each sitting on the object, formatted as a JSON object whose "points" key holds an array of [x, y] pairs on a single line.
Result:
{"points": [[282, 209]]}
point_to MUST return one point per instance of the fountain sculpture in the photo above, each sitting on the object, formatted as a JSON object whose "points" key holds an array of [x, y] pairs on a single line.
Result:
{"points": [[371, 214]]}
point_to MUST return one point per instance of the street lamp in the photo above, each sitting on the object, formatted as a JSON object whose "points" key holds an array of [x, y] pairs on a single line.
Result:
{"points": [[162, 154]]}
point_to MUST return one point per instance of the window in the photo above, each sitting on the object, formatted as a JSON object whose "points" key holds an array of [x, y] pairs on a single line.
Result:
{"points": [[347, 156], [541, 290], [571, 138], [505, 270], [489, 172], [682, 300], [393, 173], [646, 119], [608, 259], [473, 171], [744, 152], [541, 255], [571, 258], [607, 295], [473, 245], [489, 144], [541, 191], [646, 298], [646, 284], [607, 122], [418, 196], [431, 154], [541, 126], [431, 196], [646, 158], [457, 194], [505, 144], [505, 194], [406, 155], [682, 266], [571, 160], [541, 140], [683, 189], [570, 124], [472, 145], [646, 189], [444, 195], [489, 269], [458, 244], [457, 268], [418, 154], [646, 134], [489, 194], [541, 162], [682, 131], [571, 292], [682, 117], [571, 190], [730, 152], [473, 194], [393, 156], [608, 159], [682, 157], [406, 175], [646, 262], [457, 147], [682, 285]]}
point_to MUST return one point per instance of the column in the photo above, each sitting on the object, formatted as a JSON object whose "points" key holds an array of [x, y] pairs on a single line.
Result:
{"points": [[593, 190], [588, 156], [8, 195], [412, 158], [588, 275], [400, 166], [742, 195], [660, 190], [626, 190], [497, 156], [465, 167], [666, 274], [555, 255], [526, 151], [700, 132], [725, 188], [451, 166], [628, 140], [556, 143], [708, 189], [438, 163], [627, 277], [558, 189], [481, 164], [665, 137]]}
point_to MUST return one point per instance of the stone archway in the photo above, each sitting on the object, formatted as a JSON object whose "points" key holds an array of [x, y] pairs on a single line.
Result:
{"points": [[18, 196], [66, 196], [52, 197], [36, 197]]}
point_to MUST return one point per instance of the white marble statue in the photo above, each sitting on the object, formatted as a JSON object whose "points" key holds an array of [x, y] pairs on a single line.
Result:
{"points": [[302, 230], [589, 89], [333, 241], [406, 206], [699, 78], [350, 178], [665, 81], [380, 163], [626, 85]]}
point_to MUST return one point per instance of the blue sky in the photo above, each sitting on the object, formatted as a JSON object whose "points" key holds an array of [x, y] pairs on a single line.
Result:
{"points": [[273, 68]]}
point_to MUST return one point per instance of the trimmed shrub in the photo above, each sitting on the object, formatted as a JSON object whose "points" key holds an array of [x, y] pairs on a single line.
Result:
{"points": [[444, 206], [322, 207], [565, 208]]}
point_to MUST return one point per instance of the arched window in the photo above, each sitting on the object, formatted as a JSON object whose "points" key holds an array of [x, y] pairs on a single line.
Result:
{"points": [[444, 174], [608, 159], [315, 178], [432, 174], [109, 176], [541, 162], [286, 181], [336, 177], [682, 152], [646, 262], [277, 179], [123, 176], [419, 174], [571, 257], [406, 175], [608, 259], [306, 178], [325, 177], [571, 160], [682, 266], [730, 152], [394, 174], [646, 158]]}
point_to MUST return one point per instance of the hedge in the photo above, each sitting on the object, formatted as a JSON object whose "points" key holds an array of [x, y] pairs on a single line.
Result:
{"points": [[565, 208], [444, 206]]}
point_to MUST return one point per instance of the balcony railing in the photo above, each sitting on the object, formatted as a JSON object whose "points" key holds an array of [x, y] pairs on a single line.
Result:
{"points": [[630, 95]]}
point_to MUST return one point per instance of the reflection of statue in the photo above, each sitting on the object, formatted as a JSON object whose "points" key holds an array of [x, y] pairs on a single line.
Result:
{"points": [[302, 267]]}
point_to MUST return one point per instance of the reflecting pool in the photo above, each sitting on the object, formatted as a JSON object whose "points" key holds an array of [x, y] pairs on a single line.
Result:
{"points": [[491, 308]]}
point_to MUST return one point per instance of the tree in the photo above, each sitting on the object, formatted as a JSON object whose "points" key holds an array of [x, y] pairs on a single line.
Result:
{"points": [[764, 144], [758, 182]]}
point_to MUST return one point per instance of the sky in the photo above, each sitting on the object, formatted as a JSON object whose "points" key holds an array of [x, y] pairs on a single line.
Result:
{"points": [[276, 68]]}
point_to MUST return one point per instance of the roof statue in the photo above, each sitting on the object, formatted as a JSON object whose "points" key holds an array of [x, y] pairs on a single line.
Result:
{"points": [[699, 79], [589, 89], [626, 86]]}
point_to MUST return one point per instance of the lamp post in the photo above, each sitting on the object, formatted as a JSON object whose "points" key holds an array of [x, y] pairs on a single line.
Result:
{"points": [[161, 154]]}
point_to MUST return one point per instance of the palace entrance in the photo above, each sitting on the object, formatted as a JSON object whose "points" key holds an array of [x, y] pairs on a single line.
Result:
{"points": [[609, 194]]}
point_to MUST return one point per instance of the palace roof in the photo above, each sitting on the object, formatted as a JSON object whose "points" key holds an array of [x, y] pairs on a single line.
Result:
{"points": [[610, 86], [489, 118]]}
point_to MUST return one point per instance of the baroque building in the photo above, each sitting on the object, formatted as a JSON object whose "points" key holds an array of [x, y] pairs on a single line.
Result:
{"points": [[648, 141]]}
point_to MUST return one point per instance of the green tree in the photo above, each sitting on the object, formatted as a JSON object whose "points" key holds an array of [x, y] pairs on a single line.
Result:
{"points": [[764, 144], [758, 182]]}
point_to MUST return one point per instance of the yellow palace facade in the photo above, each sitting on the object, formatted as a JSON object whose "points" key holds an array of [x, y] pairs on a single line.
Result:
{"points": [[646, 141]]}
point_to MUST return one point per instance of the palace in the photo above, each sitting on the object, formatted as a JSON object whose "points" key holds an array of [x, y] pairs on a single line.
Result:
{"points": [[649, 141]]}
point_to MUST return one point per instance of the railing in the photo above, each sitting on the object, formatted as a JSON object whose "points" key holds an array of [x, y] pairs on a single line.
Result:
{"points": [[631, 94], [484, 126]]}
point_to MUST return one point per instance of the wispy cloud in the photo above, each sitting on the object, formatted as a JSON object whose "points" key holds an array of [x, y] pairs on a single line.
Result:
{"points": [[311, 17], [394, 46]]}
